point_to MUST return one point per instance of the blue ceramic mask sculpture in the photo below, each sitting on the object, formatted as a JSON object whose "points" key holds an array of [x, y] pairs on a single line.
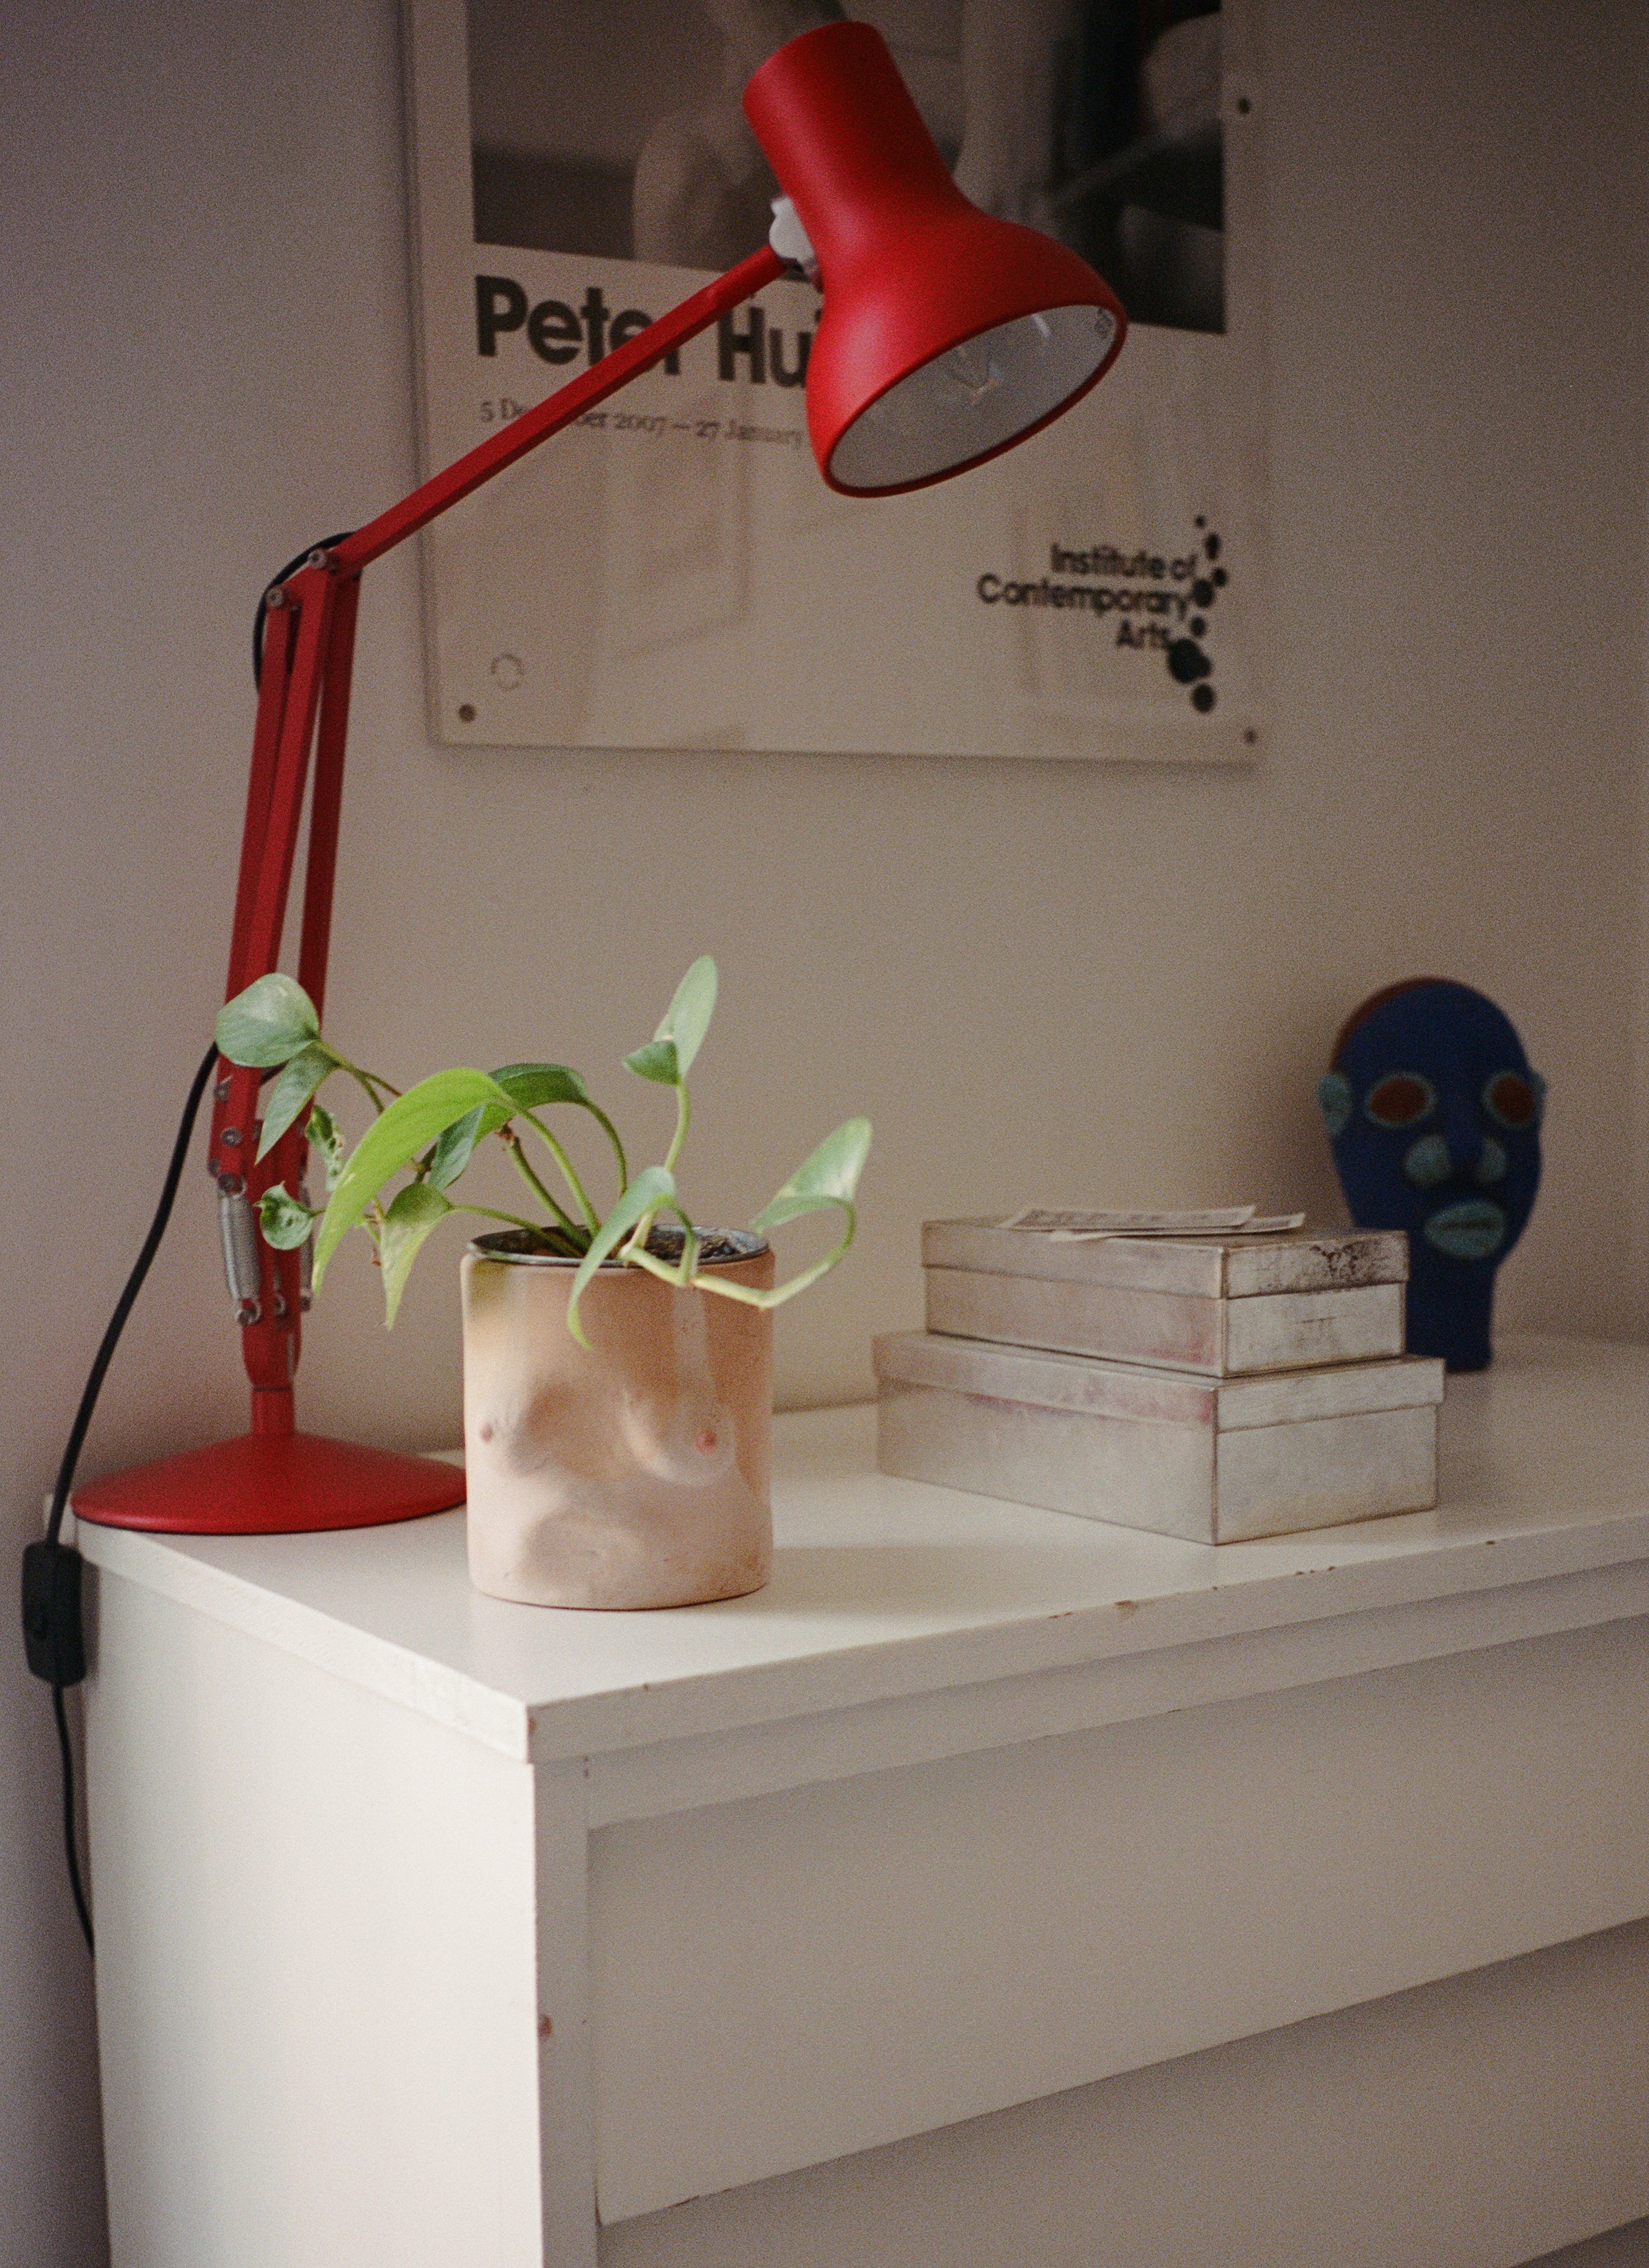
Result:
{"points": [[1434, 1116]]}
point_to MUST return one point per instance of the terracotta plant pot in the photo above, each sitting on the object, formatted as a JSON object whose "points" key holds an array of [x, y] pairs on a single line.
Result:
{"points": [[635, 1475]]}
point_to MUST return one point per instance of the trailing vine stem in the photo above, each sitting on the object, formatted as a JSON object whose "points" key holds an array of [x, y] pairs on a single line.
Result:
{"points": [[563, 1219], [591, 1219]]}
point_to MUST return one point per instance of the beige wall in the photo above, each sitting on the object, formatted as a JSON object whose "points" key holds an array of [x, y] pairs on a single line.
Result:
{"points": [[1039, 981]]}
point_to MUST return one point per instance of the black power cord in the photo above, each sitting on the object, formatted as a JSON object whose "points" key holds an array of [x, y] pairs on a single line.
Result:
{"points": [[52, 1629], [76, 1888], [52, 1569]]}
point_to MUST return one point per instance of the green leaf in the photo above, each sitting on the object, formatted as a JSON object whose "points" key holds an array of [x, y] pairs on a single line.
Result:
{"points": [[653, 1187], [830, 1176], [668, 1056], [686, 1019], [531, 1087], [657, 1061], [286, 1224], [457, 1146], [267, 1023], [415, 1212], [411, 1123], [323, 1130], [307, 1070], [536, 1084]]}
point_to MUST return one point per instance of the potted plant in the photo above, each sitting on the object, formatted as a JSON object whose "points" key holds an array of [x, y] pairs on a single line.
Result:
{"points": [[617, 1366]]}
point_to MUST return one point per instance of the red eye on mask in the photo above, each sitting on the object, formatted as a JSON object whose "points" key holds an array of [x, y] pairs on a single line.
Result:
{"points": [[1512, 1100], [1402, 1097]]}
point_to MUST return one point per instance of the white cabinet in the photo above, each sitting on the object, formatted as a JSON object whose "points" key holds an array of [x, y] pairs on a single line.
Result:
{"points": [[436, 1930]]}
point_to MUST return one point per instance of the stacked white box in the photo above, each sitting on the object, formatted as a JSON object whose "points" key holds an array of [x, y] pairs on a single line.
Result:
{"points": [[1220, 1305], [1212, 1388]]}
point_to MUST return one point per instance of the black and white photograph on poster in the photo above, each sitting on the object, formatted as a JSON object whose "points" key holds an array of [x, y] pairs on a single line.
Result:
{"points": [[672, 571]]}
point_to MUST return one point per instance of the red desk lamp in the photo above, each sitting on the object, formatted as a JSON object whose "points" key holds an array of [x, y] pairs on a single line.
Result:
{"points": [[946, 337]]}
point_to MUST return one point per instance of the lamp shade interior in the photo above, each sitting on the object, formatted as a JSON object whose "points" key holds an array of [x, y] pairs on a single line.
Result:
{"points": [[971, 400], [946, 334]]}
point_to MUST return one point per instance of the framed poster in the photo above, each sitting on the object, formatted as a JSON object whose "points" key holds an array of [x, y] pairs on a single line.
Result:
{"points": [[672, 572]]}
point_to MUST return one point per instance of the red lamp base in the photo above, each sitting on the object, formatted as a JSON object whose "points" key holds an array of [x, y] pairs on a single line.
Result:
{"points": [[272, 1485]]}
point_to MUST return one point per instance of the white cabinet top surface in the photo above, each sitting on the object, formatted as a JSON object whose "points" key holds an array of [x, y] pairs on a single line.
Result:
{"points": [[885, 1589]]}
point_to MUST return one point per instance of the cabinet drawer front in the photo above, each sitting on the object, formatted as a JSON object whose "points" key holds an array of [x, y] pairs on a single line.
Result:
{"points": [[780, 1980]]}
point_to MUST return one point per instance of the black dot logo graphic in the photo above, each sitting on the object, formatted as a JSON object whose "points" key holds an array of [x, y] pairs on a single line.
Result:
{"points": [[1189, 663]]}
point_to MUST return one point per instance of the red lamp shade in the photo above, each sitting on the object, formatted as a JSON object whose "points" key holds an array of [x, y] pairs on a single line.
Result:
{"points": [[946, 336]]}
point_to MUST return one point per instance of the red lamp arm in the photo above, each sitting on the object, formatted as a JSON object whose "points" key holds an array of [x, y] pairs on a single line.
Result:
{"points": [[303, 702], [513, 441]]}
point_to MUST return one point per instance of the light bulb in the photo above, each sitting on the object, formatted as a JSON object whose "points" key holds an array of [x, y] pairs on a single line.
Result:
{"points": [[973, 399], [973, 368]]}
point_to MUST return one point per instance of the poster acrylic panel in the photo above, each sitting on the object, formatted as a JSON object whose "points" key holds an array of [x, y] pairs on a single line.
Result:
{"points": [[672, 572]]}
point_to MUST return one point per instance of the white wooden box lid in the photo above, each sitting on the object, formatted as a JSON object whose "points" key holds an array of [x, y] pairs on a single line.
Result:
{"points": [[1228, 1267], [1096, 1388]]}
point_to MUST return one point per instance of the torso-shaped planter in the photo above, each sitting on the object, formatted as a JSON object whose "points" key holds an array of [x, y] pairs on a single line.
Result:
{"points": [[633, 1475]]}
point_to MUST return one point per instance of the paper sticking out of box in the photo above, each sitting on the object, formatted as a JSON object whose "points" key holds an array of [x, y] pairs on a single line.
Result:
{"points": [[1213, 1460], [1226, 1303], [1066, 1227]]}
